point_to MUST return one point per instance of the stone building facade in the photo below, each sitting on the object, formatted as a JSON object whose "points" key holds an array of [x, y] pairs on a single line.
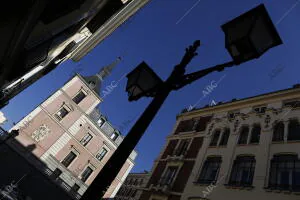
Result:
{"points": [[71, 137], [249, 150], [133, 186]]}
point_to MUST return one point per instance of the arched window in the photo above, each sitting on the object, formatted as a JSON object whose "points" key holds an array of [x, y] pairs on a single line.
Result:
{"points": [[244, 135], [242, 171], [225, 137], [278, 132], [255, 134], [215, 138], [294, 130], [210, 170], [285, 172]]}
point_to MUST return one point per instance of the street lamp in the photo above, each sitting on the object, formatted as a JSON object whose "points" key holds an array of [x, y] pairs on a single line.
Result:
{"points": [[142, 81], [250, 35], [243, 42]]}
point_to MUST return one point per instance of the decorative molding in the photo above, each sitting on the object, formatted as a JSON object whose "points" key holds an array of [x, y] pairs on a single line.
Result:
{"points": [[39, 134]]}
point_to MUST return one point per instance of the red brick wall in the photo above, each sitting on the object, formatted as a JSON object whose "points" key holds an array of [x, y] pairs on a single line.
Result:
{"points": [[183, 176], [170, 148], [156, 175], [145, 195], [195, 147]]}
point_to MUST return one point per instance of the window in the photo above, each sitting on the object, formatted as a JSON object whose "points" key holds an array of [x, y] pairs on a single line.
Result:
{"points": [[141, 182], [244, 135], [215, 138], [75, 187], [101, 154], [100, 121], [133, 193], [242, 171], [114, 136], [210, 170], [69, 159], [63, 111], [86, 174], [260, 110], [285, 172], [185, 126], [294, 130], [79, 97], [181, 149], [255, 134], [85, 140], [278, 132], [169, 176], [225, 137]]}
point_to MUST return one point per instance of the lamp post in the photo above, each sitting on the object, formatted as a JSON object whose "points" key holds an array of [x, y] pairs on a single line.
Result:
{"points": [[246, 37]]}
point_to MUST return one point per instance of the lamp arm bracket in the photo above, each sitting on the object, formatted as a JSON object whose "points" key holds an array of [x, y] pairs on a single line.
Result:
{"points": [[189, 78]]}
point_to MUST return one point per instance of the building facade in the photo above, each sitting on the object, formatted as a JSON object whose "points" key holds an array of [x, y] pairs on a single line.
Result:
{"points": [[250, 150], [71, 137], [133, 186], [59, 30]]}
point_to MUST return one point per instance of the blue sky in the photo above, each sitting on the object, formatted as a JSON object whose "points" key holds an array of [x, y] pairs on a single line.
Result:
{"points": [[159, 34]]}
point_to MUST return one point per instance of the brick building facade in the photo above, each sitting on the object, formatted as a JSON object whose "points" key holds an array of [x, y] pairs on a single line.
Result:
{"points": [[72, 137], [133, 186]]}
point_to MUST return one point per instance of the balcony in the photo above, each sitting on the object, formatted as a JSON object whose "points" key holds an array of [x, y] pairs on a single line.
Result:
{"points": [[52, 162], [176, 156]]}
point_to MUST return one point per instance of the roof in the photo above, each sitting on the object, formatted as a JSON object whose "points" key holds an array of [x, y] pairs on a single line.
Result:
{"points": [[235, 101]]}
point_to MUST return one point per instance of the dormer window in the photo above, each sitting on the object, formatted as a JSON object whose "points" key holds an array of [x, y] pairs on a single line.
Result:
{"points": [[100, 121], [114, 136]]}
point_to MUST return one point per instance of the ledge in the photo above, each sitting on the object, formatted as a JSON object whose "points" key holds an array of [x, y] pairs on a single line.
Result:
{"points": [[284, 191], [201, 184], [239, 187]]}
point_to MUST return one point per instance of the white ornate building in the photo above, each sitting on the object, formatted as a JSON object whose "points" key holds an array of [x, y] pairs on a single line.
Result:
{"points": [[250, 150]]}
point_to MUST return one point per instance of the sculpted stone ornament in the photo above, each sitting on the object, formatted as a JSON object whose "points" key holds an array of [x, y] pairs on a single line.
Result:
{"points": [[39, 134], [236, 124], [267, 121]]}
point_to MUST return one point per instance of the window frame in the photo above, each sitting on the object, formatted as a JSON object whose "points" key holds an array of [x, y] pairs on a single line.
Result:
{"points": [[222, 143], [208, 164], [275, 132], [64, 106], [236, 170], [86, 142], [162, 180], [76, 156], [292, 137], [252, 134], [103, 148], [115, 138], [85, 95], [89, 176], [213, 137], [182, 147], [281, 165], [246, 136]]}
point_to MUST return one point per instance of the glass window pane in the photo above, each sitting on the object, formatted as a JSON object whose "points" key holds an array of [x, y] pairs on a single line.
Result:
{"points": [[68, 159], [79, 97], [215, 138], [243, 135], [255, 135]]}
